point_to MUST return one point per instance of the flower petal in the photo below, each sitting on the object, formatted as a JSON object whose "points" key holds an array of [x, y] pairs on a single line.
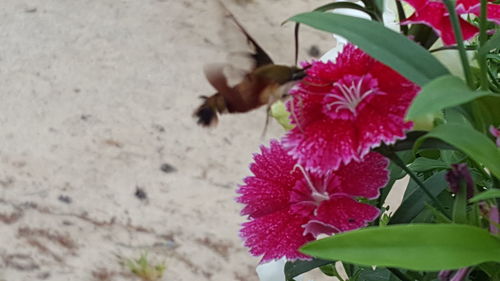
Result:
{"points": [[276, 235], [341, 213], [323, 145], [435, 15], [269, 190], [364, 178], [474, 7]]}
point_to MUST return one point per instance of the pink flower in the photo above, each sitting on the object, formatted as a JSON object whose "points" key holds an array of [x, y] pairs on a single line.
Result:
{"points": [[341, 110], [496, 133], [435, 15], [289, 207]]}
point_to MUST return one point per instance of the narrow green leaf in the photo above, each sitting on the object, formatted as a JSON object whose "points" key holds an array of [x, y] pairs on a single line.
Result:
{"points": [[378, 274], [492, 269], [391, 48], [491, 44], [441, 93], [429, 247], [415, 199], [380, 4], [489, 194], [476, 145], [486, 108], [460, 205], [295, 268], [423, 164]]}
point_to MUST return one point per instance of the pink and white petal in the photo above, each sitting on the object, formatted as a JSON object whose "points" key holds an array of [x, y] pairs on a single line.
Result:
{"points": [[323, 145], [430, 14], [492, 14], [269, 190], [399, 89], [448, 35], [276, 235], [364, 179], [435, 16], [376, 126], [305, 107], [344, 213], [465, 6], [316, 228], [352, 61], [274, 164], [262, 197]]}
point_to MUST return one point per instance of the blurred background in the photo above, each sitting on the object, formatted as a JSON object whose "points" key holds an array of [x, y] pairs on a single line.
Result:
{"points": [[101, 161]]}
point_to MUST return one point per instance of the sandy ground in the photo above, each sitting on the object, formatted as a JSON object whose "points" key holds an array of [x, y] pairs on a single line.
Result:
{"points": [[95, 104]]}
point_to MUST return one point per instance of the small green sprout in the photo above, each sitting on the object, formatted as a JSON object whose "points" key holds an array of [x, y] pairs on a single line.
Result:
{"points": [[143, 268]]}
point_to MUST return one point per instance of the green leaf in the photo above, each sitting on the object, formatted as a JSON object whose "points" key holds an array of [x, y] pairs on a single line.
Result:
{"points": [[295, 268], [415, 199], [486, 108], [489, 194], [441, 93], [491, 44], [476, 145], [428, 247], [378, 274], [460, 204], [492, 269], [391, 48], [395, 173], [423, 164], [380, 4], [329, 270]]}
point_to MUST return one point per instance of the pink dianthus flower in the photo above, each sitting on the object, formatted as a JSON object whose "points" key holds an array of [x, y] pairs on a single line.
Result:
{"points": [[433, 13], [342, 110], [289, 207]]}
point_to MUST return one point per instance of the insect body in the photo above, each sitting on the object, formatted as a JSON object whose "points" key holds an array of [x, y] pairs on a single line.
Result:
{"points": [[263, 84]]}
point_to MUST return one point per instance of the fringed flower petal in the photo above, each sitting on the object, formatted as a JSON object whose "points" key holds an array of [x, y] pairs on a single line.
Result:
{"points": [[375, 176], [276, 235], [341, 213], [269, 190]]}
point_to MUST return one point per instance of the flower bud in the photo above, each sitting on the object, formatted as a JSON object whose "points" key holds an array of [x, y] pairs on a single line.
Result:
{"points": [[458, 174]]}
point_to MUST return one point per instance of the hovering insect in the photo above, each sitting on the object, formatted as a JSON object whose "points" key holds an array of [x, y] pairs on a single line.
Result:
{"points": [[263, 84]]}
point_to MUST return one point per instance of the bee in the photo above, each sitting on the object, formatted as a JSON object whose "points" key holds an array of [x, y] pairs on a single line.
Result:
{"points": [[264, 84]]}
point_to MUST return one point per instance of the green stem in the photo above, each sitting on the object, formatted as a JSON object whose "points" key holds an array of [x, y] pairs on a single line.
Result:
{"points": [[373, 9], [451, 47], [460, 205], [460, 41], [399, 274], [395, 158], [483, 37]]}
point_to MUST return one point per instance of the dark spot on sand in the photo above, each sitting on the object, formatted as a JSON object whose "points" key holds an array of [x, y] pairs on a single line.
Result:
{"points": [[167, 168], [140, 193]]}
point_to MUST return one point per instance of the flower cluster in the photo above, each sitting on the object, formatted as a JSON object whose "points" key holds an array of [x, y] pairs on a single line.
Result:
{"points": [[310, 182]]}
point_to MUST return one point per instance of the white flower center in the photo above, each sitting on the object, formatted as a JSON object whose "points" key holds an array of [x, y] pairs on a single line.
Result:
{"points": [[347, 94]]}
